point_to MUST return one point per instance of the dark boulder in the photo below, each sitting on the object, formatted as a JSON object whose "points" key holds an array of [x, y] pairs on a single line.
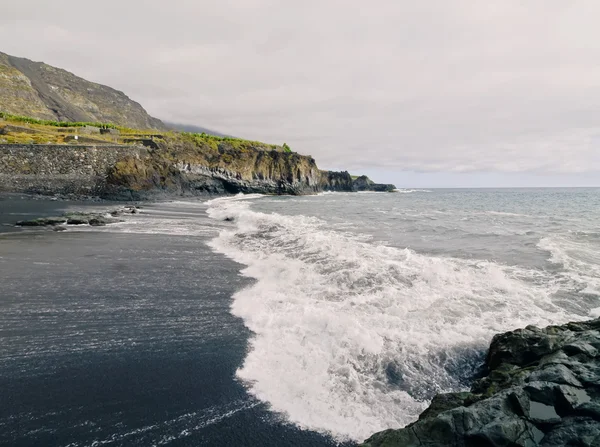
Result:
{"points": [[542, 388]]}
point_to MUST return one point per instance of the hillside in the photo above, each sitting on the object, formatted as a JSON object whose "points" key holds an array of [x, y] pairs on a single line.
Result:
{"points": [[41, 91], [61, 134], [193, 129]]}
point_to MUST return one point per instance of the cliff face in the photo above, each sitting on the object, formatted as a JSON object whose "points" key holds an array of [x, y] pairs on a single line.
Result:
{"points": [[542, 388], [336, 181], [41, 91], [188, 166], [175, 167]]}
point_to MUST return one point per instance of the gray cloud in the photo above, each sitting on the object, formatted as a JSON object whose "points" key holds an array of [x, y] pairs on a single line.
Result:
{"points": [[457, 86]]}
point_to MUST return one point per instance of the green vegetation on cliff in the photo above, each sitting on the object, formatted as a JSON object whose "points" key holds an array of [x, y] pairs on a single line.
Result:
{"points": [[20, 129], [30, 120]]}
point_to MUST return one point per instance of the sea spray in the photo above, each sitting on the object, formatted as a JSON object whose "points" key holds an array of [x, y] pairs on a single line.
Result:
{"points": [[351, 336]]}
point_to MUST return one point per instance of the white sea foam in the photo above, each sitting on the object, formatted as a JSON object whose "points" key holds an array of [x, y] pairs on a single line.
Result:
{"points": [[580, 259], [507, 214], [352, 337], [408, 191]]}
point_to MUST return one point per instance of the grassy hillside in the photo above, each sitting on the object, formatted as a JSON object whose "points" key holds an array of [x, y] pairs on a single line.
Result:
{"points": [[17, 129], [41, 91]]}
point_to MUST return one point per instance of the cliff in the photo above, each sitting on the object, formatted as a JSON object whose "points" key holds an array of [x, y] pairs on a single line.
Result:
{"points": [[47, 157], [41, 91], [542, 388], [61, 134], [176, 165], [190, 164]]}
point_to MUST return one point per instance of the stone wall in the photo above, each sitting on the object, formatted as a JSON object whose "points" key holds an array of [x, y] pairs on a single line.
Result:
{"points": [[60, 169]]}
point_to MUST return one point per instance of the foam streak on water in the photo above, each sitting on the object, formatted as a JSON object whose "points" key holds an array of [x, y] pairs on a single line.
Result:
{"points": [[354, 336]]}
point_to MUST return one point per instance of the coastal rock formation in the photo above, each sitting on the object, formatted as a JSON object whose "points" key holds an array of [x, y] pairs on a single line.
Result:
{"points": [[542, 388], [336, 181], [344, 182], [364, 183], [41, 91], [92, 219], [190, 165], [173, 168]]}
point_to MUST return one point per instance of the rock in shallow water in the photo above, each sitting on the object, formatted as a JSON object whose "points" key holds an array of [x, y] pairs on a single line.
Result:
{"points": [[93, 219], [542, 389]]}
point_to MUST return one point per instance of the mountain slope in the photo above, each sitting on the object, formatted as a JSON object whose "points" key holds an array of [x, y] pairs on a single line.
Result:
{"points": [[193, 128], [41, 91]]}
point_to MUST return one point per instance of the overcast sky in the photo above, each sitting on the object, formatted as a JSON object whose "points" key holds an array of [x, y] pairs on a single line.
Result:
{"points": [[422, 93]]}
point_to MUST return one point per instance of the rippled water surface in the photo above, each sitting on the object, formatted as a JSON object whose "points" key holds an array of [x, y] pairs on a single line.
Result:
{"points": [[278, 320]]}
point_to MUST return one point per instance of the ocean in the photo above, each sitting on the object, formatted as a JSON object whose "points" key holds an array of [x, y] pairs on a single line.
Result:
{"points": [[276, 321]]}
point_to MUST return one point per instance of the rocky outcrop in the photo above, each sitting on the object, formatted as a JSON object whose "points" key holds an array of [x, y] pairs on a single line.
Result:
{"points": [[344, 182], [336, 181], [364, 183], [92, 219], [188, 165], [41, 91], [542, 388]]}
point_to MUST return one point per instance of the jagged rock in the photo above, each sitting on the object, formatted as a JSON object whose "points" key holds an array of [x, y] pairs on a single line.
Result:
{"points": [[555, 373], [542, 389], [364, 183], [78, 220], [98, 222], [444, 402], [93, 219], [42, 222]]}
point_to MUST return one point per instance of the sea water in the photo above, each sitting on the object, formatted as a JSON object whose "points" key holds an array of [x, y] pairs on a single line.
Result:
{"points": [[249, 320]]}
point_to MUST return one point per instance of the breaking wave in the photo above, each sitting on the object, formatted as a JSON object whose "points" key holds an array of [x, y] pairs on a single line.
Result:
{"points": [[351, 336], [408, 191]]}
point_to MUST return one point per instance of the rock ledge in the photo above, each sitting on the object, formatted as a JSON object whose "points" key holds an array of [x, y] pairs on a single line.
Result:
{"points": [[542, 389]]}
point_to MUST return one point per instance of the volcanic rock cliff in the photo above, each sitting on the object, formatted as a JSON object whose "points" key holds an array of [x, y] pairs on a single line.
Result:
{"points": [[168, 164], [542, 388], [190, 165], [41, 91]]}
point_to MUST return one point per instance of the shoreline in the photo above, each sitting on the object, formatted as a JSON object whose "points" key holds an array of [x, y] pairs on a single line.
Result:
{"points": [[156, 345], [15, 207], [443, 404]]}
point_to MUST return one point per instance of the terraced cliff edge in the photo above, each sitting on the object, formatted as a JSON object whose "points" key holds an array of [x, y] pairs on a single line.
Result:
{"points": [[542, 389], [155, 165]]}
